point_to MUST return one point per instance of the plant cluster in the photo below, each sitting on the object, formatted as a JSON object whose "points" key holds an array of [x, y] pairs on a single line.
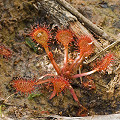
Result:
{"points": [[66, 74]]}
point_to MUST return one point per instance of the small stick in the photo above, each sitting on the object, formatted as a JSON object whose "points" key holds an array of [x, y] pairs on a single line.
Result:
{"points": [[9, 97], [105, 49]]}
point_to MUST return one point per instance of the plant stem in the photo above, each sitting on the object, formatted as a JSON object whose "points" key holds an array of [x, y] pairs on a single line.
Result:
{"points": [[73, 93], [46, 49], [50, 55], [42, 81], [77, 65], [78, 58], [53, 94], [66, 56], [85, 74]]}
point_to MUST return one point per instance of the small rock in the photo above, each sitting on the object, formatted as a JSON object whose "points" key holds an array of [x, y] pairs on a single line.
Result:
{"points": [[103, 4]]}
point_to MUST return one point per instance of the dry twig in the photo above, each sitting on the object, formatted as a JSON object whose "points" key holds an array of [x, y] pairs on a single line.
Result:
{"points": [[83, 19]]}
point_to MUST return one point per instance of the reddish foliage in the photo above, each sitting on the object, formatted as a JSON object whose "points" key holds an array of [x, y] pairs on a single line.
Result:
{"points": [[89, 84], [59, 84], [41, 35], [23, 85], [105, 62], [85, 45], [65, 75], [5, 52], [64, 36]]}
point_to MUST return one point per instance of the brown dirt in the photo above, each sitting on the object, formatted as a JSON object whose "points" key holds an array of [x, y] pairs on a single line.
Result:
{"points": [[16, 17]]}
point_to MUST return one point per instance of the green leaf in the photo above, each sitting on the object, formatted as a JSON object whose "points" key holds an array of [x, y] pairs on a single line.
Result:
{"points": [[33, 95], [1, 109], [31, 44]]}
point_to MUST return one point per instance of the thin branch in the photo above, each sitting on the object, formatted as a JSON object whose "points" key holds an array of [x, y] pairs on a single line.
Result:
{"points": [[102, 51], [83, 19]]}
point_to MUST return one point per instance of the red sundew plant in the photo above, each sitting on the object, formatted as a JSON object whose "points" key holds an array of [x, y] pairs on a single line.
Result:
{"points": [[66, 74], [42, 35], [5, 52], [65, 37], [60, 84], [23, 85], [86, 48]]}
